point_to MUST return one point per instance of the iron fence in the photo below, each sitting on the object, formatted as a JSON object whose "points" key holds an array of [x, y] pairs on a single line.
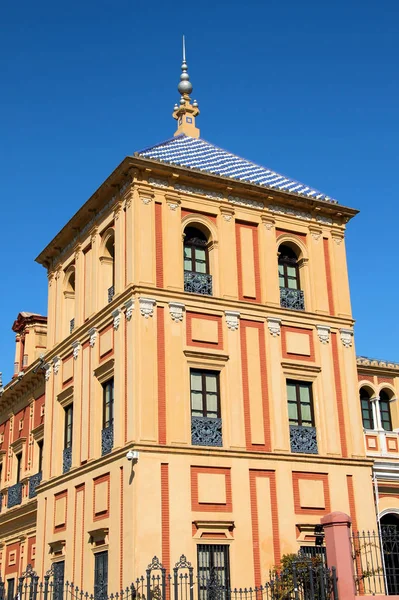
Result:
{"points": [[306, 580], [376, 561]]}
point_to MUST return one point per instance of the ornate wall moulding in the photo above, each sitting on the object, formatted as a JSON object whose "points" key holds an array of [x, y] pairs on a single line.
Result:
{"points": [[323, 331], [346, 337], [158, 182], [147, 307], [268, 222], [287, 210], [172, 201], [190, 189], [274, 325], [47, 371], [76, 346], [176, 310], [315, 232], [245, 202], [227, 213], [129, 306], [92, 336], [56, 364], [116, 315], [232, 319]]}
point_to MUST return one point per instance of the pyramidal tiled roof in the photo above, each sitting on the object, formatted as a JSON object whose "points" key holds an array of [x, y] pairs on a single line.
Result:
{"points": [[195, 153]]}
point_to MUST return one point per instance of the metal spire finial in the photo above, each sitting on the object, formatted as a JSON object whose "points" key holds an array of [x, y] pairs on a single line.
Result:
{"points": [[185, 87]]}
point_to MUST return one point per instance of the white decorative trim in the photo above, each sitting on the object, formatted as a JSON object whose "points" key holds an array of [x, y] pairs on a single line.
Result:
{"points": [[324, 219], [337, 238], [147, 306], [173, 205], [232, 319], [245, 202], [323, 331], [56, 364], [146, 200], [129, 306], [176, 310], [76, 347], [92, 336], [163, 183], [227, 217], [274, 325], [116, 315], [189, 189], [47, 373], [286, 210], [346, 337]]}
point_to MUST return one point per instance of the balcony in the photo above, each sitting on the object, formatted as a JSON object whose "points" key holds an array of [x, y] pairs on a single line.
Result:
{"points": [[111, 293], [34, 481], [303, 439], [292, 299], [379, 442], [71, 325], [14, 496], [198, 283], [206, 431], [107, 440], [66, 460]]}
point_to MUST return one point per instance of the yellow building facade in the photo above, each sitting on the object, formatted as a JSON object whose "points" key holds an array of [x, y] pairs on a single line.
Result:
{"points": [[200, 378]]}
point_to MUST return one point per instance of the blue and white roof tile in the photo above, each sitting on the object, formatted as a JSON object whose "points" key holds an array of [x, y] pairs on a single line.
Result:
{"points": [[195, 153]]}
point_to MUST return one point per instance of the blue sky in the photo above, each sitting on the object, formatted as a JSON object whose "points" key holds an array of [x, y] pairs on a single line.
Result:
{"points": [[309, 89]]}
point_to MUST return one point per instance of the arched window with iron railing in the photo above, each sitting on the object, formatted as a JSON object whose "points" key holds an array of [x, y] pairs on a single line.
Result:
{"points": [[197, 278], [291, 295]]}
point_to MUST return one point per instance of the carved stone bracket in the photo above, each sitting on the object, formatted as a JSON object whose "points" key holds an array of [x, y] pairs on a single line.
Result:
{"points": [[268, 222], [176, 310], [147, 307], [129, 306], [172, 201], [346, 337], [76, 347], [315, 232], [227, 213], [47, 371], [232, 319], [274, 325], [323, 331], [116, 315], [92, 336], [56, 364]]}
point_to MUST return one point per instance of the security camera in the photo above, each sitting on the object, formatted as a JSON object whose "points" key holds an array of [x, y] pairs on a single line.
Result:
{"points": [[132, 455]]}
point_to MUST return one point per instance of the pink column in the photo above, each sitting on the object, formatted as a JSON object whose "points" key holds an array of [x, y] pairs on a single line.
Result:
{"points": [[339, 552]]}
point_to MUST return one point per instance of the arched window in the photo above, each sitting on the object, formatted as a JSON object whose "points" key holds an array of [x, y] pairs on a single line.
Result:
{"points": [[69, 295], [107, 260], [385, 411], [291, 295], [367, 409], [197, 278]]}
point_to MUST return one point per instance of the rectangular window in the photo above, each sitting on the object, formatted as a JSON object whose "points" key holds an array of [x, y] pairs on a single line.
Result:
{"points": [[205, 397], [59, 574], [19, 467], [367, 412], [10, 589], [385, 415], [300, 403], [40, 449], [213, 564], [68, 426], [100, 575], [108, 403]]}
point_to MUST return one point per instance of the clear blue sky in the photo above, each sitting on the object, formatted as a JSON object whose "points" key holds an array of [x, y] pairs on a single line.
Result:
{"points": [[308, 88]]}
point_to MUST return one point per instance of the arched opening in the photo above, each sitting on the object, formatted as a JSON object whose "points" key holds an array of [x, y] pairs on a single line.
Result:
{"points": [[107, 260], [390, 546], [291, 295], [197, 278], [69, 295], [385, 410], [366, 408]]}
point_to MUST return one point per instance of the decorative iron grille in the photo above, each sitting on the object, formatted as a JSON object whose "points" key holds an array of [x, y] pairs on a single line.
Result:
{"points": [[303, 439], [293, 299], [206, 431], [14, 495], [107, 440], [376, 561], [66, 460], [111, 293], [71, 325], [34, 481], [198, 283]]}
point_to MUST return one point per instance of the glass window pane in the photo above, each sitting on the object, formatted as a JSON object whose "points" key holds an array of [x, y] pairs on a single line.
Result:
{"points": [[196, 381], [306, 414], [281, 270], [200, 267], [187, 264], [304, 392], [187, 252], [281, 281], [211, 383], [211, 403], [200, 254], [292, 284], [291, 271], [196, 401], [292, 411], [291, 392]]}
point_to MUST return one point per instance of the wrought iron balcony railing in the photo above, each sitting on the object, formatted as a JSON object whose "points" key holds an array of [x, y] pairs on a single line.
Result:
{"points": [[34, 481], [293, 299], [71, 325], [14, 495], [107, 440], [111, 293], [198, 283], [206, 431], [303, 439], [66, 459]]}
